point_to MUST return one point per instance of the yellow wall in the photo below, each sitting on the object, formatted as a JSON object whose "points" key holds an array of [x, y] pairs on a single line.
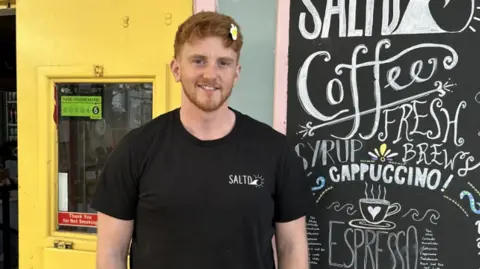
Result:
{"points": [[62, 39]]}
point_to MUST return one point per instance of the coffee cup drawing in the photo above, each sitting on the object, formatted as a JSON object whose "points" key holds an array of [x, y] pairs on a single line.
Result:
{"points": [[375, 211]]}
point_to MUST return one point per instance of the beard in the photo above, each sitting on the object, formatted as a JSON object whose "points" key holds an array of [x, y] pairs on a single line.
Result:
{"points": [[203, 101]]}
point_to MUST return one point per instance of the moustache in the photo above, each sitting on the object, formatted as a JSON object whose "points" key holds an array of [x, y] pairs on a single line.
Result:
{"points": [[209, 83]]}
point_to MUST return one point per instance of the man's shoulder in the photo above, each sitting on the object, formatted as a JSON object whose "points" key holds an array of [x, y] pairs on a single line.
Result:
{"points": [[262, 132]]}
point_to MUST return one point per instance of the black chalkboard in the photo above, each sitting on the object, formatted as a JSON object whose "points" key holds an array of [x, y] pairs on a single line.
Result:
{"points": [[384, 110]]}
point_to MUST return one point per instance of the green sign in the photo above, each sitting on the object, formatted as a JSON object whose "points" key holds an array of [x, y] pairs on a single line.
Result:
{"points": [[81, 106]]}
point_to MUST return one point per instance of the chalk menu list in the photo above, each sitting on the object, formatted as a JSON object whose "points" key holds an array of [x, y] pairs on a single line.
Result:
{"points": [[384, 111]]}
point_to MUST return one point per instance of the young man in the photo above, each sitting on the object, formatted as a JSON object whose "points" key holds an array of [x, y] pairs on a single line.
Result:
{"points": [[203, 186]]}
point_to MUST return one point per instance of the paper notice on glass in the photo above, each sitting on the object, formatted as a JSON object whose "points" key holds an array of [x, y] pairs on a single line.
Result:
{"points": [[62, 191]]}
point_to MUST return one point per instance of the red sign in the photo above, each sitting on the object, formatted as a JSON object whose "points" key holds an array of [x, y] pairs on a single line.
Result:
{"points": [[77, 219]]}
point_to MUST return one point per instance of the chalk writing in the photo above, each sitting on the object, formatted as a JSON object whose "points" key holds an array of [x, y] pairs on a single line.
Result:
{"points": [[388, 174], [314, 245], [347, 245], [327, 152], [417, 19], [429, 251], [383, 102], [477, 223], [449, 62]]}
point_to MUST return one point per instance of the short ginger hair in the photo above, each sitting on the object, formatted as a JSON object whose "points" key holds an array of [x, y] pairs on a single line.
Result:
{"points": [[208, 24]]}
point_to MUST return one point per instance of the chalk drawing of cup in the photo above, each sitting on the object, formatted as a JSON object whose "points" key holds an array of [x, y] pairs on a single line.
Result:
{"points": [[375, 211]]}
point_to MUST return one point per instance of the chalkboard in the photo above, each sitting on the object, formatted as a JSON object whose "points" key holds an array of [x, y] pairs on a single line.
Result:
{"points": [[384, 110]]}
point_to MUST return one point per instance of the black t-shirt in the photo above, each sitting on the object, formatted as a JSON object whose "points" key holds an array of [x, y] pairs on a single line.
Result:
{"points": [[203, 204]]}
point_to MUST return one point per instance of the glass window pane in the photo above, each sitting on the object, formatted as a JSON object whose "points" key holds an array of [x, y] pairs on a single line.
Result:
{"points": [[91, 119]]}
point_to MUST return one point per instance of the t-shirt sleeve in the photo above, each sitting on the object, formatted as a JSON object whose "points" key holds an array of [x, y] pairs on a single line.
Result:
{"points": [[116, 194], [293, 196]]}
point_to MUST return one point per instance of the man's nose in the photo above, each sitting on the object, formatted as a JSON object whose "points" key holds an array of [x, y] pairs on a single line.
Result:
{"points": [[210, 71]]}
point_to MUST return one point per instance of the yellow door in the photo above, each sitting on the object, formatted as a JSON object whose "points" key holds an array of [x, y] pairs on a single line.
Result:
{"points": [[88, 71]]}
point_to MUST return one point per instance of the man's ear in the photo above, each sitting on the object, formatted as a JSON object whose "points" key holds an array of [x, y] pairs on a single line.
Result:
{"points": [[175, 68], [237, 74]]}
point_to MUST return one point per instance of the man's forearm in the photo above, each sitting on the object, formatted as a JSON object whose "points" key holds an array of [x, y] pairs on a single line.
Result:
{"points": [[111, 261], [292, 257]]}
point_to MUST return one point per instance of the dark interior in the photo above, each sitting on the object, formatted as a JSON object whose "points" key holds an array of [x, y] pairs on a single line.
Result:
{"points": [[8, 143], [8, 69]]}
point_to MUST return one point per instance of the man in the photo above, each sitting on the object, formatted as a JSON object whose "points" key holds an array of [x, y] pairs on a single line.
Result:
{"points": [[203, 186]]}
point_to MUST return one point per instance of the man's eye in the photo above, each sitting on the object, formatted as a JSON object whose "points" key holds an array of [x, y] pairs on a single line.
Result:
{"points": [[198, 61]]}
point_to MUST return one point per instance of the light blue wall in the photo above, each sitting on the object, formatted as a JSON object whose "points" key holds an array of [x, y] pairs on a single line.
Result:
{"points": [[253, 94]]}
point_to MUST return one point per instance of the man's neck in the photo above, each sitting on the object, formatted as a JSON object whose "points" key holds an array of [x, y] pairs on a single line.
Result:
{"points": [[207, 125]]}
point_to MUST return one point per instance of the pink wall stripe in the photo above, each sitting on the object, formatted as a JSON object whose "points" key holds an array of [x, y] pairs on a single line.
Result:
{"points": [[206, 5], [281, 73], [281, 67]]}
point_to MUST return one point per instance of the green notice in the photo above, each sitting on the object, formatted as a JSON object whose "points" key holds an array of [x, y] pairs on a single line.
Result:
{"points": [[81, 106]]}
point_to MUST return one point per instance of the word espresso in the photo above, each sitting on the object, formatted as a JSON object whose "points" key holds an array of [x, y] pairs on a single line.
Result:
{"points": [[358, 248]]}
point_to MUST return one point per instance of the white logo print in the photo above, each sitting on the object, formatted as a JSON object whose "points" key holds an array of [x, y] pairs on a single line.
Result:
{"points": [[255, 180]]}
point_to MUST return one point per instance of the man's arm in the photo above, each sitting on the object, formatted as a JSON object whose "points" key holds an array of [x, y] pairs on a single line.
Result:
{"points": [[292, 245], [115, 201], [293, 201], [113, 241]]}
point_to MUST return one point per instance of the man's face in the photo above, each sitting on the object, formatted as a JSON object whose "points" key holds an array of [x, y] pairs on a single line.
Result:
{"points": [[207, 71]]}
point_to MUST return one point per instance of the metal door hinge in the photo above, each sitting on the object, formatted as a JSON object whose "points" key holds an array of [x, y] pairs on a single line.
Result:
{"points": [[61, 244], [168, 18]]}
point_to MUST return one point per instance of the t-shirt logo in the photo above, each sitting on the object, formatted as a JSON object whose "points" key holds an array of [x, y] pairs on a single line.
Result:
{"points": [[255, 180]]}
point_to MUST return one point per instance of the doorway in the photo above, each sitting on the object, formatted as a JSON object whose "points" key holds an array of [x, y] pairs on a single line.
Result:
{"points": [[8, 141], [87, 72]]}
